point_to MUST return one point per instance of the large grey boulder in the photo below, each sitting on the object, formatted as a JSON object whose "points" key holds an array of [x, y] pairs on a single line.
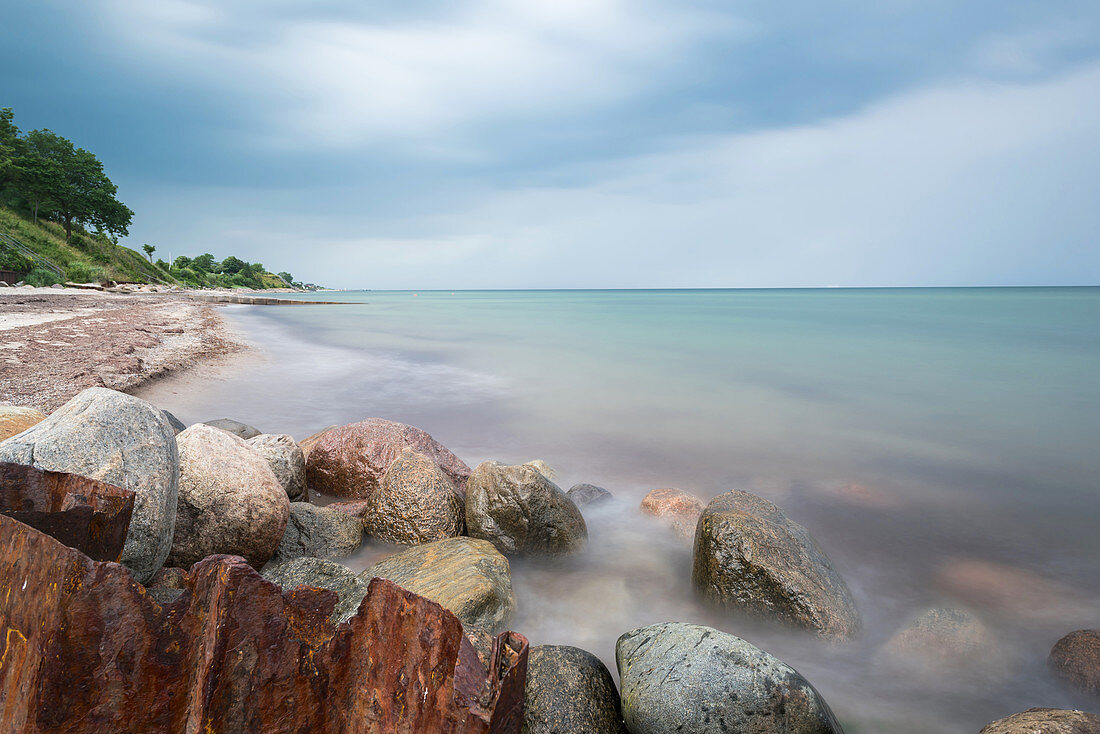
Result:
{"points": [[323, 574], [243, 430], [1045, 721], [465, 575], [229, 500], [415, 503], [750, 556], [121, 440], [519, 510], [286, 460], [318, 531], [569, 690], [680, 677]]}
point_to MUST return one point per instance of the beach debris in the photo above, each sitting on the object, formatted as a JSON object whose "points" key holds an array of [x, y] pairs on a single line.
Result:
{"points": [[415, 503], [15, 419], [87, 649], [570, 689], [519, 510], [349, 461], [318, 531], [83, 513], [1045, 721], [123, 441], [229, 500], [751, 557], [680, 677], [1076, 659], [679, 509], [243, 430], [588, 494], [465, 575], [286, 460]]}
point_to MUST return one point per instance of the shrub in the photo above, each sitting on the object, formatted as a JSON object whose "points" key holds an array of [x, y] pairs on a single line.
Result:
{"points": [[83, 273], [12, 260], [40, 278]]}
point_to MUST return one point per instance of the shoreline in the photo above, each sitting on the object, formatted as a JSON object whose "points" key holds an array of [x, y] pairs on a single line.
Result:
{"points": [[56, 342]]}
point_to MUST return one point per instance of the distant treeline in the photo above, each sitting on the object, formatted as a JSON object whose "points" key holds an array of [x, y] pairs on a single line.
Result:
{"points": [[205, 272]]}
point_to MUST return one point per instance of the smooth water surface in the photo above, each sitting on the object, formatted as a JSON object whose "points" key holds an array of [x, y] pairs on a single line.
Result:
{"points": [[942, 445]]}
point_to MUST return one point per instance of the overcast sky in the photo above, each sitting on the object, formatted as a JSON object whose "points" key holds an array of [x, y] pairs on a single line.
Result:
{"points": [[514, 144]]}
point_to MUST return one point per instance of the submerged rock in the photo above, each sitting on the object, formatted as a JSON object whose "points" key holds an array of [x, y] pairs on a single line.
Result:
{"points": [[318, 531], [229, 500], [243, 430], [123, 441], [465, 575], [678, 508], [519, 510], [680, 677], [349, 461], [414, 503], [14, 419], [322, 573], [286, 460], [569, 690], [88, 650], [1076, 659], [587, 494], [1045, 721], [943, 639], [750, 556]]}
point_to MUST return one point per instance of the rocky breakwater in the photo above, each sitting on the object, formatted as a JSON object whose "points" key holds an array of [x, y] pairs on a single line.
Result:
{"points": [[123, 441], [751, 557], [350, 461], [87, 649], [688, 678]]}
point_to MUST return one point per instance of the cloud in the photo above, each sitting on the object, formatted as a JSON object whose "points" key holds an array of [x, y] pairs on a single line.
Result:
{"points": [[972, 183]]}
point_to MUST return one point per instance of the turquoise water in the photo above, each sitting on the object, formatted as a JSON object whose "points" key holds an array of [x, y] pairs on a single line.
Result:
{"points": [[908, 429]]}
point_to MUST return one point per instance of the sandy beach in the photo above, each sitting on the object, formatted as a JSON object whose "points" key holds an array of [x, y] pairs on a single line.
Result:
{"points": [[56, 342]]}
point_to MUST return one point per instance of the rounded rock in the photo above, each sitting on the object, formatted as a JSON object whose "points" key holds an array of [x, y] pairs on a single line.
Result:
{"points": [[243, 430], [121, 440], [318, 531], [750, 556], [519, 510], [567, 690], [415, 503], [14, 420], [322, 574], [1076, 659], [229, 500], [286, 460], [680, 677], [676, 507], [349, 461], [1045, 721], [939, 639], [587, 494]]}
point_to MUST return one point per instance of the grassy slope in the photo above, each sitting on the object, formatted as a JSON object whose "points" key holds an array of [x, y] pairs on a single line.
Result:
{"points": [[48, 240]]}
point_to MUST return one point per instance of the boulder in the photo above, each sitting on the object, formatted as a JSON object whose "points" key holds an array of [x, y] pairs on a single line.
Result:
{"points": [[569, 690], [318, 531], [237, 428], [82, 513], [350, 461], [307, 443], [415, 503], [1076, 659], [680, 677], [942, 639], [541, 467], [750, 556], [177, 425], [123, 441], [88, 650], [1045, 721], [677, 508], [14, 419], [321, 573], [356, 508], [519, 510], [465, 575], [229, 500], [286, 460], [587, 494]]}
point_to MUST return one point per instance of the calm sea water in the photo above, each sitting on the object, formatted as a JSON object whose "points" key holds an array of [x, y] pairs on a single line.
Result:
{"points": [[942, 445]]}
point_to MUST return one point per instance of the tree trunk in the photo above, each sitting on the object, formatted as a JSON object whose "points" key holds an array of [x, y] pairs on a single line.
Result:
{"points": [[36, 211], [68, 228]]}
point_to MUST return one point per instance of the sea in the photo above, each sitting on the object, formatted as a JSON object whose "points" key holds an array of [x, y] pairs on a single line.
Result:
{"points": [[941, 445]]}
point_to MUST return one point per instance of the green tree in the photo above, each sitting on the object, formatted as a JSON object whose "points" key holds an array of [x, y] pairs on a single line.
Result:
{"points": [[149, 250], [181, 262], [52, 172], [287, 277], [204, 263], [232, 265]]}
